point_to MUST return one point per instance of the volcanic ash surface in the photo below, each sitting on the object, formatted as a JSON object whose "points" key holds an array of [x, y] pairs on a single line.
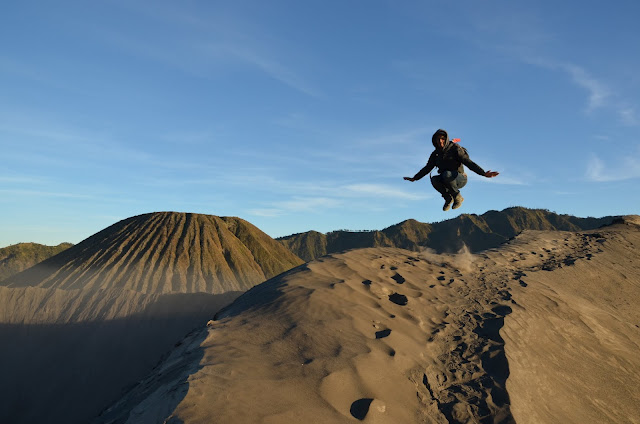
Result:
{"points": [[543, 329]]}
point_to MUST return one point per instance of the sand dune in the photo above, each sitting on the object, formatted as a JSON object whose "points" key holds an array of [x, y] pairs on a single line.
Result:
{"points": [[544, 329]]}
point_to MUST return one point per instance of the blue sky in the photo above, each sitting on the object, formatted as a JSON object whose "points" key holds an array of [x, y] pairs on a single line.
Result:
{"points": [[301, 115]]}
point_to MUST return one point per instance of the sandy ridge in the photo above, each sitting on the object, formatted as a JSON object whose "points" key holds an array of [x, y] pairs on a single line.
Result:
{"points": [[388, 335]]}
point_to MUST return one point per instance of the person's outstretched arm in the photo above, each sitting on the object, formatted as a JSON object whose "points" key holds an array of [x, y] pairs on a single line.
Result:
{"points": [[464, 158], [431, 163]]}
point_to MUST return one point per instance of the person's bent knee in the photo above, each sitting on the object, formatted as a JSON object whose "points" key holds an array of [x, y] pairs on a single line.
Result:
{"points": [[438, 184], [449, 175]]}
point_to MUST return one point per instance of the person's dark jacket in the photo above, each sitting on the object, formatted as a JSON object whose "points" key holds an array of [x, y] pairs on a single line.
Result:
{"points": [[450, 158]]}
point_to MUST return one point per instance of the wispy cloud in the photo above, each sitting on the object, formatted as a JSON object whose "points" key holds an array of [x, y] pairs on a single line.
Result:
{"points": [[266, 212], [295, 205], [331, 196], [36, 193], [37, 139], [20, 179], [598, 93], [629, 116], [506, 177], [625, 168], [268, 64], [393, 139], [189, 137], [521, 32], [205, 44], [378, 191]]}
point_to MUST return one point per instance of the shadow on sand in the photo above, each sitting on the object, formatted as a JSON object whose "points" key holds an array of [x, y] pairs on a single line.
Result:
{"points": [[71, 372]]}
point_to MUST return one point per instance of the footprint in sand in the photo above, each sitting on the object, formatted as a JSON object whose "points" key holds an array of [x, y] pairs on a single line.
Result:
{"points": [[398, 278], [433, 334], [518, 274], [383, 333], [398, 299], [360, 408]]}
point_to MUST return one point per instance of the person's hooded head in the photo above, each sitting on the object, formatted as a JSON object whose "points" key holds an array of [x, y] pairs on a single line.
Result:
{"points": [[440, 140]]}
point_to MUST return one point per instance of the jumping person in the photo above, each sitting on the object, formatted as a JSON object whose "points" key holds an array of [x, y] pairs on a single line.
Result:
{"points": [[449, 158]]}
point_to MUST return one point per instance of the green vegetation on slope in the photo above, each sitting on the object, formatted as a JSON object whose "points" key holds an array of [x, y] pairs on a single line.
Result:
{"points": [[18, 257]]}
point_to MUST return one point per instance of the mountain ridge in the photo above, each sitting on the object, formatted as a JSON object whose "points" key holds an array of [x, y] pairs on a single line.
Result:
{"points": [[20, 256], [476, 232]]}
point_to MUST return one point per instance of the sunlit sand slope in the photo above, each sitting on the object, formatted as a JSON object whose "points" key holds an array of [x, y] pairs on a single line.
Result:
{"points": [[543, 329]]}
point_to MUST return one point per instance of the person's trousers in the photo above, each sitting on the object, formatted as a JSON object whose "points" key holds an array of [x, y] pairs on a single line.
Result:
{"points": [[449, 183]]}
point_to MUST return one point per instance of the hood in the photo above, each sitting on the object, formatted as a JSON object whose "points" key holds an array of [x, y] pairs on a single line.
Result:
{"points": [[435, 139]]}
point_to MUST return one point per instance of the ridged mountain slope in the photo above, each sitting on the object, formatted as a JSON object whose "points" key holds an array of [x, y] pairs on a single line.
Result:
{"points": [[165, 252], [477, 232]]}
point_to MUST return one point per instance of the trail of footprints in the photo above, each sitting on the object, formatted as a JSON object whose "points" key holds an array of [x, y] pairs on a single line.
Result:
{"points": [[472, 386], [474, 368]]}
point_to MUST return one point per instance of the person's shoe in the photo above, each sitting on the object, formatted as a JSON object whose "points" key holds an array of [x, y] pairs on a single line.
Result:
{"points": [[457, 201], [447, 202]]}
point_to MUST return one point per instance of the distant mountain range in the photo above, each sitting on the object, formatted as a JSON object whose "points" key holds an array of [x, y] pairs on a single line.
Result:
{"points": [[477, 232], [18, 257]]}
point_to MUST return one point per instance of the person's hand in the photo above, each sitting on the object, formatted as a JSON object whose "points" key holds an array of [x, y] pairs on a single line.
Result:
{"points": [[491, 174], [410, 179]]}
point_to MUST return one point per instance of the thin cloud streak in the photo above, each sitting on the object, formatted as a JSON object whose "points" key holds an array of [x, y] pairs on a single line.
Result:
{"points": [[295, 205], [629, 116], [271, 67], [378, 191], [501, 179], [76, 147], [337, 196], [627, 168], [598, 92], [36, 193], [202, 50], [24, 180]]}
